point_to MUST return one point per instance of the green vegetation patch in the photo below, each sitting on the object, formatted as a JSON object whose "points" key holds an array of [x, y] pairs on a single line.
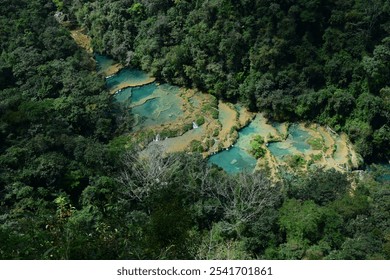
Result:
{"points": [[210, 109], [317, 157], [169, 133], [200, 120], [257, 149], [196, 146], [316, 143], [295, 161], [214, 113], [210, 143], [187, 127]]}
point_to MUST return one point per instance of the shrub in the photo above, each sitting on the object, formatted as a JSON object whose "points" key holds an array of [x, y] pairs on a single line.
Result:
{"points": [[196, 146], [200, 120], [316, 143], [256, 147]]}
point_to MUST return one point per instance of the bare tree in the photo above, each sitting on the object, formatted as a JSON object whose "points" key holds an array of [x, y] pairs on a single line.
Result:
{"points": [[147, 171], [243, 197]]}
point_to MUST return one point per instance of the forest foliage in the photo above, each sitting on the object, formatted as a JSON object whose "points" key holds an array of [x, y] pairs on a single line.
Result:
{"points": [[69, 189]]}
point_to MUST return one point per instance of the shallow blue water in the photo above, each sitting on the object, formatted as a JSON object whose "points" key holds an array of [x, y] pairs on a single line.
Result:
{"points": [[162, 109], [139, 93], [249, 130], [233, 160], [278, 126], [150, 114], [298, 138], [126, 75], [134, 95], [278, 151], [296, 141], [166, 108], [103, 62], [124, 96], [147, 108]]}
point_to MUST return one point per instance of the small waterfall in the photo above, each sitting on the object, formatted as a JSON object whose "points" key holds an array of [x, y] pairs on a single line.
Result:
{"points": [[194, 125], [157, 138]]}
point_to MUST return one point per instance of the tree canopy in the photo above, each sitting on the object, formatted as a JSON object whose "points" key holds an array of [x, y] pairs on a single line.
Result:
{"points": [[70, 188]]}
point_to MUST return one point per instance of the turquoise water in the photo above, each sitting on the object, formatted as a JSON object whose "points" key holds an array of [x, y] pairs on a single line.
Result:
{"points": [[295, 142], [237, 159], [127, 75], [257, 127], [124, 96], [298, 138], [249, 130], [136, 94], [277, 126], [139, 93], [234, 160], [103, 62], [149, 107], [164, 108], [151, 113], [278, 150]]}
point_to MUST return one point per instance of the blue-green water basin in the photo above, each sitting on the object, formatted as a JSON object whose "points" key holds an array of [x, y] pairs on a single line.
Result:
{"points": [[135, 94], [234, 160], [295, 143], [165, 107], [127, 76], [151, 104], [103, 62]]}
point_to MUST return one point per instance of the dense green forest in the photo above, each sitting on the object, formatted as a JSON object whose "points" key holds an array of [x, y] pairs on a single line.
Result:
{"points": [[70, 189]]}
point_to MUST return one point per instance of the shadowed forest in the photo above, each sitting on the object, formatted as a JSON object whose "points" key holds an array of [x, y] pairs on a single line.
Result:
{"points": [[71, 187]]}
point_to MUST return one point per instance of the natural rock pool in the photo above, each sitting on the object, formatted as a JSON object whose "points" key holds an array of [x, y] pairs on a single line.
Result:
{"points": [[127, 78], [221, 136], [151, 104], [161, 106], [287, 145], [234, 160], [295, 143]]}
